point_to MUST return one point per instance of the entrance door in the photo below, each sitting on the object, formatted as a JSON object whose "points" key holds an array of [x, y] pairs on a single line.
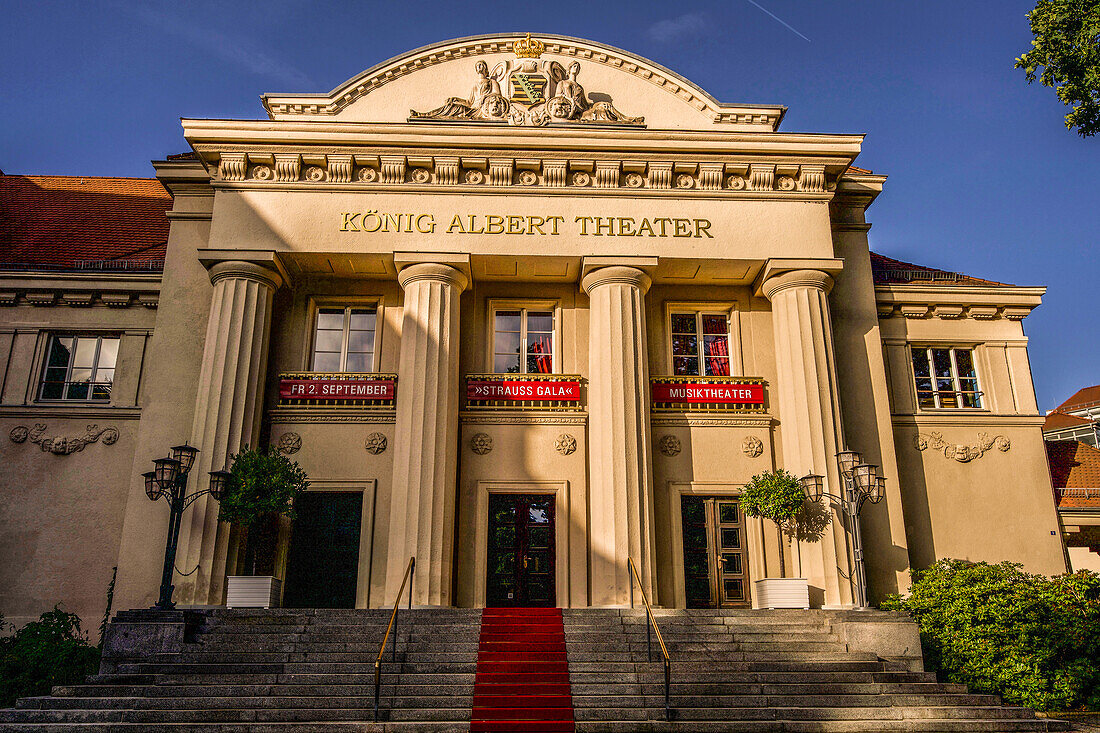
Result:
{"points": [[715, 565], [323, 563], [521, 550]]}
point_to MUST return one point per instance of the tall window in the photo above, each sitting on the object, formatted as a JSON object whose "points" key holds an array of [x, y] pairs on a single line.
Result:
{"points": [[344, 340], [700, 344], [79, 368], [945, 377], [523, 341]]}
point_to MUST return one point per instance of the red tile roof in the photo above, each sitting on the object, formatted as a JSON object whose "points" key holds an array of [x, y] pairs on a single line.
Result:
{"points": [[82, 222], [1074, 467], [1061, 421], [1085, 396], [887, 270]]}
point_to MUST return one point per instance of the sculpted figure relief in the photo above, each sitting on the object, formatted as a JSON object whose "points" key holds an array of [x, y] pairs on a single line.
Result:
{"points": [[536, 93]]}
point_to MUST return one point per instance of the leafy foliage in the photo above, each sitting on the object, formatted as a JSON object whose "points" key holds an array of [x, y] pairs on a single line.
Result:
{"points": [[262, 487], [774, 495], [51, 651], [1034, 640], [1067, 48]]}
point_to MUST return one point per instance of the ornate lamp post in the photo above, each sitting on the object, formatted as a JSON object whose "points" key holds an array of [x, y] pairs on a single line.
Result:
{"points": [[861, 483], [168, 481]]}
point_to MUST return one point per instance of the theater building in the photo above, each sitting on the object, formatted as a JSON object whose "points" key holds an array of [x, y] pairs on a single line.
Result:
{"points": [[522, 308]]}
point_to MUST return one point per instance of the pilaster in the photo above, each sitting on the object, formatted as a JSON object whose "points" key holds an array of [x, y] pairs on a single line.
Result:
{"points": [[620, 468]]}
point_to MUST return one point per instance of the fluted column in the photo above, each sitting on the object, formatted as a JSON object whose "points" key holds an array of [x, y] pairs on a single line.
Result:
{"points": [[227, 414], [425, 454], [620, 486], [809, 413]]}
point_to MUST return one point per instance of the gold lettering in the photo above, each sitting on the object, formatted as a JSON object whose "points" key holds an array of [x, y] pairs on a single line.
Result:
{"points": [[646, 227], [494, 224], [583, 220], [555, 220], [683, 227], [428, 228], [662, 221], [515, 224], [377, 221], [702, 226], [626, 227], [456, 223], [388, 219], [473, 218], [349, 221], [532, 227], [609, 226]]}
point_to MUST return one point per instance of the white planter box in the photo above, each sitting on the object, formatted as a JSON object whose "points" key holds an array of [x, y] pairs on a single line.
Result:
{"points": [[252, 591], [781, 593]]}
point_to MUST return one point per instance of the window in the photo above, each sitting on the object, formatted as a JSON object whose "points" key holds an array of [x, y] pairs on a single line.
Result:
{"points": [[945, 377], [700, 344], [79, 368], [523, 341], [344, 340]]}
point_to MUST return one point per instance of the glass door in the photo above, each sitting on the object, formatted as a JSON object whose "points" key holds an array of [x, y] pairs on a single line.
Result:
{"points": [[715, 567], [521, 550]]}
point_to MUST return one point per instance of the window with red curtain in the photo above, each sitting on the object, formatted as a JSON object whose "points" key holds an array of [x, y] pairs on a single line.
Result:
{"points": [[700, 344], [523, 341]]}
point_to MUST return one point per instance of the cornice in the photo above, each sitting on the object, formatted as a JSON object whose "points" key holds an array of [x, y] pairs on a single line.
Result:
{"points": [[519, 417], [331, 415], [950, 302], [79, 290], [963, 419], [70, 412], [710, 419]]}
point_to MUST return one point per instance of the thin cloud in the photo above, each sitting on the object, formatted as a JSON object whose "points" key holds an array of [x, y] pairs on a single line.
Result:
{"points": [[678, 28], [785, 24], [240, 52]]}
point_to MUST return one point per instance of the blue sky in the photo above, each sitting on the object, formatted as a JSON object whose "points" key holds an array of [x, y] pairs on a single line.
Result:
{"points": [[984, 177]]}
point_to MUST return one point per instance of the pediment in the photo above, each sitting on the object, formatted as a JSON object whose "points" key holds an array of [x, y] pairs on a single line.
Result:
{"points": [[525, 80]]}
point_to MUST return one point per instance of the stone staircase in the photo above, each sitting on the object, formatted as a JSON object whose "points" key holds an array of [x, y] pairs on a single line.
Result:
{"points": [[741, 670], [293, 671]]}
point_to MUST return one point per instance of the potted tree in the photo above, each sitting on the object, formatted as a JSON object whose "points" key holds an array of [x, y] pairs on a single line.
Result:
{"points": [[778, 496], [262, 488]]}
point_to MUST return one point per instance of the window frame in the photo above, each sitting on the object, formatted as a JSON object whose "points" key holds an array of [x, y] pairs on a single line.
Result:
{"points": [[44, 366], [951, 347], [525, 305], [347, 304], [727, 309]]}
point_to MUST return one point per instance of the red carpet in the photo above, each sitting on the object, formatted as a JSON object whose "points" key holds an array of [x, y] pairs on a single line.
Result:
{"points": [[522, 681]]}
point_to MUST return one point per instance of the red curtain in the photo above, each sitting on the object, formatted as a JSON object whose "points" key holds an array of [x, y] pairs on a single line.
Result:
{"points": [[717, 356], [543, 358]]}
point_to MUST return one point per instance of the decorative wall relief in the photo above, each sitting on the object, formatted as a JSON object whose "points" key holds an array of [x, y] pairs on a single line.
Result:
{"points": [[289, 443], [529, 92], [752, 446], [481, 443], [669, 445], [375, 443], [963, 453], [566, 444], [61, 445]]}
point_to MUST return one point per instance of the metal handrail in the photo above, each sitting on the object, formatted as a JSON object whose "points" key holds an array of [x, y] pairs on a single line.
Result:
{"points": [[651, 623], [392, 627]]}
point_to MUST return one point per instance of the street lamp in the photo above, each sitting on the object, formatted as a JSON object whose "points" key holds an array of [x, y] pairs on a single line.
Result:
{"points": [[168, 481], [861, 484]]}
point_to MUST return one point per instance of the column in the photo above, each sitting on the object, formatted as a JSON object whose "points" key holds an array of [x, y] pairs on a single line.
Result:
{"points": [[809, 413], [425, 453], [620, 470], [227, 414]]}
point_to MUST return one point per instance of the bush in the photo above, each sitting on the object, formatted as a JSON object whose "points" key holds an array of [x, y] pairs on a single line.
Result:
{"points": [[1031, 639], [51, 651]]}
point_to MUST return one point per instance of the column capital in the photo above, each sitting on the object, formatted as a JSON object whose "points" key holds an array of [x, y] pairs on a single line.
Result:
{"points": [[816, 279], [616, 274], [242, 270], [433, 271]]}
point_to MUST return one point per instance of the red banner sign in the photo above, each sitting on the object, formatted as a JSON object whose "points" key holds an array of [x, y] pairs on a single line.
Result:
{"points": [[708, 393], [336, 389], [523, 390]]}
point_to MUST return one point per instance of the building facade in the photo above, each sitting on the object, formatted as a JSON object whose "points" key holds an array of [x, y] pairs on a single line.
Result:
{"points": [[523, 309]]}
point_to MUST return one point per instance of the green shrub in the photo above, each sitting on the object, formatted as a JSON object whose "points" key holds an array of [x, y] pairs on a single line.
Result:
{"points": [[774, 495], [1033, 640], [51, 651]]}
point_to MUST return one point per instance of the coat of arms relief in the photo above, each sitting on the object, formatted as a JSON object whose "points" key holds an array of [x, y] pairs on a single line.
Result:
{"points": [[529, 91]]}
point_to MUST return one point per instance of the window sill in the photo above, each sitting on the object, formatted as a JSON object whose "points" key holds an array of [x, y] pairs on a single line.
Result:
{"points": [[98, 411]]}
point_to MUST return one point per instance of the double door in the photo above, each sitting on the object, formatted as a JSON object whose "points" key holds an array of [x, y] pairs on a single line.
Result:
{"points": [[521, 550], [715, 561]]}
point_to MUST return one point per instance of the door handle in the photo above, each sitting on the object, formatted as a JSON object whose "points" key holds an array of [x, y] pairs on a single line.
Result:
{"points": [[524, 562]]}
